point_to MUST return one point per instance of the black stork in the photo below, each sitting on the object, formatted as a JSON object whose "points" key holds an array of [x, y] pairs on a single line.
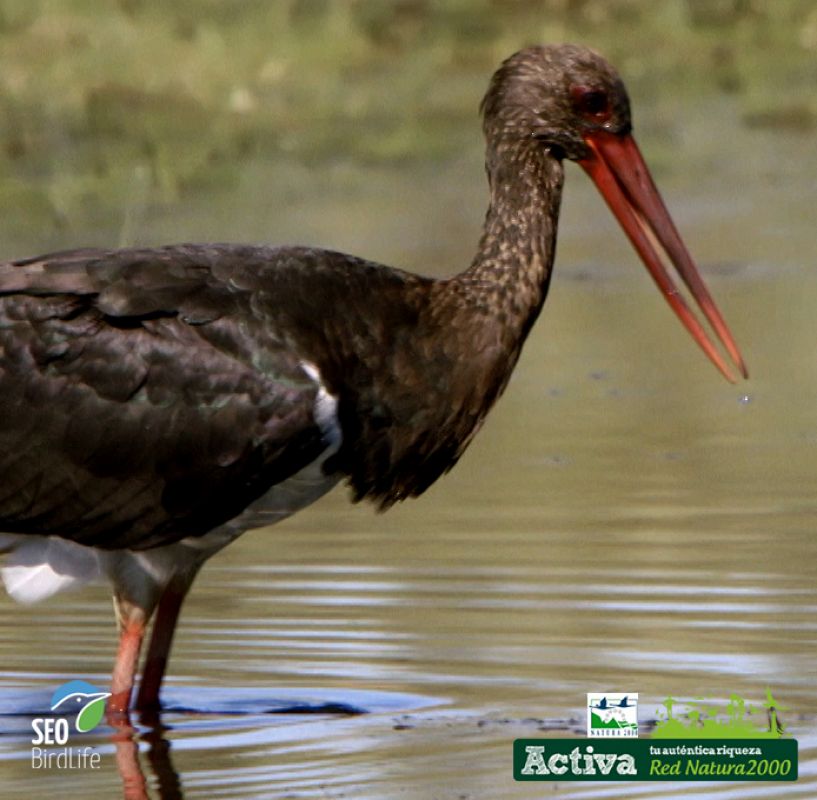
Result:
{"points": [[157, 403]]}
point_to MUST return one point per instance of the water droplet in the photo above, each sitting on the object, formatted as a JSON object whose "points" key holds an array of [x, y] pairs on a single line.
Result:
{"points": [[745, 399]]}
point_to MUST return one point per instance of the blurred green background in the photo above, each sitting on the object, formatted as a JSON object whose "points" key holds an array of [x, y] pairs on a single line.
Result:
{"points": [[112, 113]]}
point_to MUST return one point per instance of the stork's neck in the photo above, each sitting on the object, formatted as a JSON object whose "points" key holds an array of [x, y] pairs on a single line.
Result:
{"points": [[464, 338], [511, 270]]}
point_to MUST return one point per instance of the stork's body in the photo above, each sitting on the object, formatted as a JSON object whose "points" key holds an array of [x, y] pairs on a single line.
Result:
{"points": [[156, 403]]}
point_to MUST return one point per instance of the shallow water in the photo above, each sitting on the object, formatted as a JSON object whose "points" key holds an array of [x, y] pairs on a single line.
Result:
{"points": [[625, 521]]}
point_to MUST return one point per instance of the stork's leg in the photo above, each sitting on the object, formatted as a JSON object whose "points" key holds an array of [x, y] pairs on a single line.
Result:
{"points": [[161, 639], [132, 622]]}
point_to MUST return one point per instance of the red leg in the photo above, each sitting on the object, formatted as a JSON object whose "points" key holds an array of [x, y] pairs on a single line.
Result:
{"points": [[132, 623], [161, 639]]}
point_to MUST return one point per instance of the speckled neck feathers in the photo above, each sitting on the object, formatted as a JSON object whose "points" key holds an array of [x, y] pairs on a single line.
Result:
{"points": [[514, 259]]}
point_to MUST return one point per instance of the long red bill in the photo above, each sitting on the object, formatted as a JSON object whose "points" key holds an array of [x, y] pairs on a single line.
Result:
{"points": [[618, 170]]}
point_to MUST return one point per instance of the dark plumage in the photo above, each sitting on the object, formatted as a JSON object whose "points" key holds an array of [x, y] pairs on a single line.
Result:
{"points": [[149, 396]]}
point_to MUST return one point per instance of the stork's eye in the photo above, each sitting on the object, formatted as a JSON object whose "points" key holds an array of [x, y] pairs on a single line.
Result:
{"points": [[593, 104]]}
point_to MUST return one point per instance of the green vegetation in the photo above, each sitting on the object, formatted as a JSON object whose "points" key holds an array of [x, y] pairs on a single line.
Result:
{"points": [[109, 107]]}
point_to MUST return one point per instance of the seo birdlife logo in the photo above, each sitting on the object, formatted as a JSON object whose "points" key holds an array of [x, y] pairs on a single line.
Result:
{"points": [[86, 704]]}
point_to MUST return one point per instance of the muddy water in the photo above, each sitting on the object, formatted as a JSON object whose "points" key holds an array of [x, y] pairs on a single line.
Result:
{"points": [[626, 520]]}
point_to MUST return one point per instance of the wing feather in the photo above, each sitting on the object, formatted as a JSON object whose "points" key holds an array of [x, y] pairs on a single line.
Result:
{"points": [[141, 399]]}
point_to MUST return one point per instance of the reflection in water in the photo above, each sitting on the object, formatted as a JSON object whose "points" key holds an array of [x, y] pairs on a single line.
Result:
{"points": [[155, 761], [167, 783], [134, 786], [163, 778]]}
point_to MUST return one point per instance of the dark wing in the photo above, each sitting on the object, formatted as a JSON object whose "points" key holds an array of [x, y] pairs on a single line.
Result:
{"points": [[141, 398]]}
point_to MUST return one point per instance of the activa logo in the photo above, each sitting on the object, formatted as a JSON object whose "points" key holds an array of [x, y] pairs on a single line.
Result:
{"points": [[577, 762], [88, 703]]}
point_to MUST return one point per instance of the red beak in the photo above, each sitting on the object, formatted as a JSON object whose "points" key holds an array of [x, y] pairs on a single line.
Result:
{"points": [[618, 170]]}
